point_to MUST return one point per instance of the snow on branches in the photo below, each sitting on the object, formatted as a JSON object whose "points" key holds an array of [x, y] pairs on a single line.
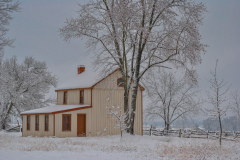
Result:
{"points": [[117, 113], [23, 86], [235, 103], [6, 8], [217, 98], [170, 99], [136, 35]]}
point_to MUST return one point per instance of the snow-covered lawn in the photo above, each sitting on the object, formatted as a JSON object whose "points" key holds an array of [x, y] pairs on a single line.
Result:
{"points": [[13, 146]]}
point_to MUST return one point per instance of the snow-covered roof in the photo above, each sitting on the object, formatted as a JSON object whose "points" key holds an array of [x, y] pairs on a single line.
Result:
{"points": [[84, 80], [55, 109]]}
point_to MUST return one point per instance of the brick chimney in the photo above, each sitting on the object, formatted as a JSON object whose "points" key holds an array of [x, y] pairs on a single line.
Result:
{"points": [[81, 68]]}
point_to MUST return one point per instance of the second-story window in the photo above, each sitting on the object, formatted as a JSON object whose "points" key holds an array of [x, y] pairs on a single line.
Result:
{"points": [[65, 98], [81, 96], [120, 82]]}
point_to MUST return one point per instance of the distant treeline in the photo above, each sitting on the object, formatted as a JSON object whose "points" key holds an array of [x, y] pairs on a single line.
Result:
{"points": [[228, 123], [177, 124]]}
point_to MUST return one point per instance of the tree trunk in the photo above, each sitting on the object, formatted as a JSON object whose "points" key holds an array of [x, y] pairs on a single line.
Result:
{"points": [[126, 98], [126, 108], [126, 92], [167, 126], [121, 128], [126, 95], [6, 116], [135, 89], [133, 107], [220, 138]]}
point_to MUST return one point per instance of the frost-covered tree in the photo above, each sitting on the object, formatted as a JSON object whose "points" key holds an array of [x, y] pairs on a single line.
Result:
{"points": [[136, 35], [7, 7], [117, 113], [217, 98], [170, 99], [23, 86], [235, 104]]}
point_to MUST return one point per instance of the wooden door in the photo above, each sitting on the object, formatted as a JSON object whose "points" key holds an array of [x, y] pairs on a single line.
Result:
{"points": [[81, 125]]}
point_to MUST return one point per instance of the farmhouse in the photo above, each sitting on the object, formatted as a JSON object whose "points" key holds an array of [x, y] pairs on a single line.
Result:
{"points": [[81, 108]]}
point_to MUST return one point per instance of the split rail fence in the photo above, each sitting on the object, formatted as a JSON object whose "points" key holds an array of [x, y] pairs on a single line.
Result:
{"points": [[184, 133]]}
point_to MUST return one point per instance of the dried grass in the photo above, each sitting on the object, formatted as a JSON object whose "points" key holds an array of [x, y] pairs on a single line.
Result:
{"points": [[201, 151]]}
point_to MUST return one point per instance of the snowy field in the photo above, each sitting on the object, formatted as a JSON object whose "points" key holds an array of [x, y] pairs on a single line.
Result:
{"points": [[15, 147]]}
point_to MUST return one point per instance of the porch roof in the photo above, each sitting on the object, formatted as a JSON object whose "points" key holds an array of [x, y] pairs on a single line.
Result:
{"points": [[56, 109]]}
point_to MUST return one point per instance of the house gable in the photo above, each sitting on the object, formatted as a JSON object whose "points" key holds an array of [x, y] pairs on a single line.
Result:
{"points": [[108, 82]]}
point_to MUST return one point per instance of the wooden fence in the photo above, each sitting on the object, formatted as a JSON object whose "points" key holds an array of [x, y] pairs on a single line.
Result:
{"points": [[227, 135]]}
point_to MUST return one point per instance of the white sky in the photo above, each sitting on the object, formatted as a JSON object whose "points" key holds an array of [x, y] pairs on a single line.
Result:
{"points": [[36, 27]]}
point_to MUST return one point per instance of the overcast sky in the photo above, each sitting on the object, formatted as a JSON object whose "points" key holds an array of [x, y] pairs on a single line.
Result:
{"points": [[36, 30]]}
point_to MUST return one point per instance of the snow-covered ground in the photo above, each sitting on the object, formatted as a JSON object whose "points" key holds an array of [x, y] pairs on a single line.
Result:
{"points": [[15, 147]]}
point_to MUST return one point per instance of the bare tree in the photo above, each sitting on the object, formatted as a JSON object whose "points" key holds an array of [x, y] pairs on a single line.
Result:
{"points": [[217, 98], [23, 86], [7, 7], [137, 35], [170, 99], [235, 104]]}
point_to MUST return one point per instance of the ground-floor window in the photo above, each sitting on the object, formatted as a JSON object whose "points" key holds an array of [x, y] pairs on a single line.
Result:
{"points": [[28, 122], [66, 122], [37, 123], [46, 122]]}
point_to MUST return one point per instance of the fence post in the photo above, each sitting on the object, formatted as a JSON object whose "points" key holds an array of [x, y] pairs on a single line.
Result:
{"points": [[150, 131], [180, 132]]}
